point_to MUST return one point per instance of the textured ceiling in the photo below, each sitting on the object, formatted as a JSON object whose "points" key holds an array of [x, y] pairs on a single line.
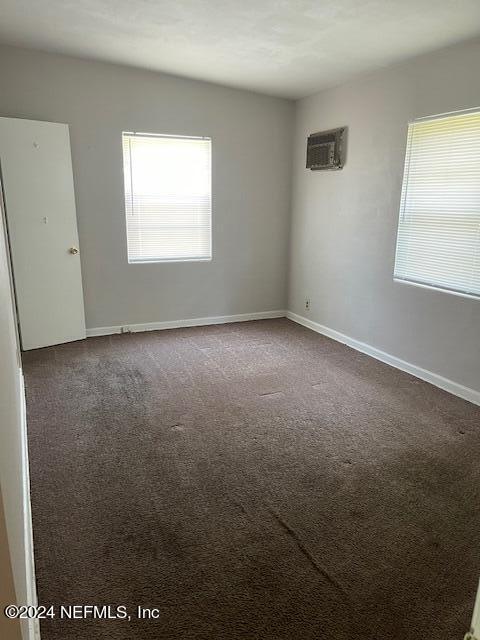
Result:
{"points": [[289, 48]]}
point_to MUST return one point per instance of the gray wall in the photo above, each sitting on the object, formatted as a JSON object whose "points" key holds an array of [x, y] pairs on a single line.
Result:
{"points": [[344, 223], [251, 183]]}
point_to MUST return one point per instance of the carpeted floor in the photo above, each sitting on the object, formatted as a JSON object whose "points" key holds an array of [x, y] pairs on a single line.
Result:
{"points": [[253, 481]]}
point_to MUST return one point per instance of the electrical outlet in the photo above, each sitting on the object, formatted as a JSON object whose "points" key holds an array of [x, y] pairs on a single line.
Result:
{"points": [[307, 303], [125, 330]]}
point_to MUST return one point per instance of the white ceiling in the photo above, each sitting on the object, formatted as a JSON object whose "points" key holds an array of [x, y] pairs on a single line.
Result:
{"points": [[289, 48]]}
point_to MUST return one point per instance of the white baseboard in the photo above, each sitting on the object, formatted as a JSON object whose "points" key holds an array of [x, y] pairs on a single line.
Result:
{"points": [[429, 376], [433, 378], [191, 322], [30, 627], [475, 626]]}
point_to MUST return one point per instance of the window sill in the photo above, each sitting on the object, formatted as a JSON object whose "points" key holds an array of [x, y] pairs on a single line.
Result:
{"points": [[470, 296], [173, 260]]}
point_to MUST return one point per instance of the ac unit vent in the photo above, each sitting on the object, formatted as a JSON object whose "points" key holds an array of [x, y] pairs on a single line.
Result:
{"points": [[326, 149]]}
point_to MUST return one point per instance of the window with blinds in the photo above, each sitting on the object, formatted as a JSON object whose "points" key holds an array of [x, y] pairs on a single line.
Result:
{"points": [[438, 242], [168, 199]]}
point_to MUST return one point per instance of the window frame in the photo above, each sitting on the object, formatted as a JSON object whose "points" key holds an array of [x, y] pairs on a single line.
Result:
{"points": [[404, 185], [177, 259]]}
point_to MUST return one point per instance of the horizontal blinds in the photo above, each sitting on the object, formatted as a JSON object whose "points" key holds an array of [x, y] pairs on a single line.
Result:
{"points": [[168, 201], [438, 241]]}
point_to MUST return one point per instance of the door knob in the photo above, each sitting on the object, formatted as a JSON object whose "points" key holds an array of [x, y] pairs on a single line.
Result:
{"points": [[73, 250]]}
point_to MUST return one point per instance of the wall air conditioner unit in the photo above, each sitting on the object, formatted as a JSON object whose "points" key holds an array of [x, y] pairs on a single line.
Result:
{"points": [[326, 149]]}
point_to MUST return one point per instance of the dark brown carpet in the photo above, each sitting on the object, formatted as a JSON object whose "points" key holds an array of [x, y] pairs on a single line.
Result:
{"points": [[253, 481]]}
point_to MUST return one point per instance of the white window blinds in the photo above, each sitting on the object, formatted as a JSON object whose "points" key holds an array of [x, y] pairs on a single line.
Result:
{"points": [[168, 200], [438, 241]]}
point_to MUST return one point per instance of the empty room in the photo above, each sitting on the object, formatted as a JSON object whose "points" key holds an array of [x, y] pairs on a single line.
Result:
{"points": [[240, 320]]}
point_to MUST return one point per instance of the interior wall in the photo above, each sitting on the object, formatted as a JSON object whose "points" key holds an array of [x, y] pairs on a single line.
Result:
{"points": [[251, 183], [13, 456], [344, 223], [9, 629]]}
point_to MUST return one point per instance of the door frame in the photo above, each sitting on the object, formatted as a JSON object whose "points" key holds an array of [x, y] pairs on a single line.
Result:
{"points": [[3, 213], [30, 628]]}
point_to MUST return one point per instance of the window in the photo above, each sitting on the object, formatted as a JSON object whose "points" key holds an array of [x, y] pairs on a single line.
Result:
{"points": [[438, 243], [168, 199]]}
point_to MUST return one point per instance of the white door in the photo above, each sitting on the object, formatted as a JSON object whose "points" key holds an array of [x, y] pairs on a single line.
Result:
{"points": [[37, 179]]}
